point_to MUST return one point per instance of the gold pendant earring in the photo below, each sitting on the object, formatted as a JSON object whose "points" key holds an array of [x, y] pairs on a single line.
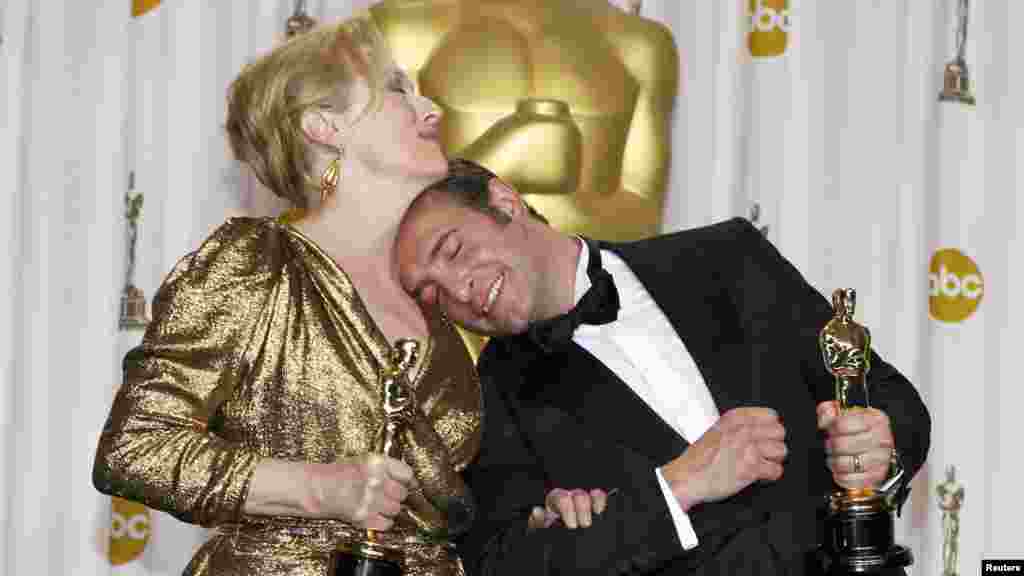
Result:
{"points": [[329, 179]]}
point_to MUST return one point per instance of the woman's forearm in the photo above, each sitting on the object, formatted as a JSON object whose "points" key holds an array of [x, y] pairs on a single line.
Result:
{"points": [[282, 488], [365, 490]]}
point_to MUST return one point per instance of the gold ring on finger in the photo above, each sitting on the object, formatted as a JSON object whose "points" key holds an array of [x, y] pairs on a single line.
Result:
{"points": [[858, 466]]}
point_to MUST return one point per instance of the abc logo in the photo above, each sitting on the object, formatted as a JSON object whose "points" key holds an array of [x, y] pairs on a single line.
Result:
{"points": [[769, 27], [955, 286], [140, 7], [129, 530]]}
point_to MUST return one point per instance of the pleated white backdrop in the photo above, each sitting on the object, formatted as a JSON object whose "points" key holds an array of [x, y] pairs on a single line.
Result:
{"points": [[860, 175]]}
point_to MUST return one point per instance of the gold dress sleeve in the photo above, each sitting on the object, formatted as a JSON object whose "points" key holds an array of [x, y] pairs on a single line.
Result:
{"points": [[261, 347], [158, 445]]}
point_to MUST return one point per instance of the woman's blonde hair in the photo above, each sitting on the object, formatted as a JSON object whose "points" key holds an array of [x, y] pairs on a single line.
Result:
{"points": [[267, 100]]}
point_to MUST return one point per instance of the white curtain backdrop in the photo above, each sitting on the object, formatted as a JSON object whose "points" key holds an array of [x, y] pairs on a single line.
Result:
{"points": [[61, 171], [859, 175]]}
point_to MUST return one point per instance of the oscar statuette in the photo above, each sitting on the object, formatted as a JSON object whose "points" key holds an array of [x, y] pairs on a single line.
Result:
{"points": [[133, 300], [950, 494], [956, 80], [299, 22], [858, 523], [369, 558]]}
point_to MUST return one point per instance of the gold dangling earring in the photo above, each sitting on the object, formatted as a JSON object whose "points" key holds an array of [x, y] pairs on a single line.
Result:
{"points": [[329, 179]]}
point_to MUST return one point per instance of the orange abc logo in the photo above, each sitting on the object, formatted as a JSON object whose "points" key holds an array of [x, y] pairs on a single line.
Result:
{"points": [[769, 27], [129, 530], [955, 286]]}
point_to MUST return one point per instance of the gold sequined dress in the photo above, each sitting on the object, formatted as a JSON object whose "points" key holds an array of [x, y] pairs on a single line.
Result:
{"points": [[260, 347]]}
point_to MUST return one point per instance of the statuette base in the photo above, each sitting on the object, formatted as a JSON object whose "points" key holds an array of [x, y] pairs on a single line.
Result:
{"points": [[956, 85], [859, 531], [133, 309], [366, 560]]}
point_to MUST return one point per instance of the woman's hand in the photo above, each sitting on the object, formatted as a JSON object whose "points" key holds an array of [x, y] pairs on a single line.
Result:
{"points": [[366, 491], [573, 507]]}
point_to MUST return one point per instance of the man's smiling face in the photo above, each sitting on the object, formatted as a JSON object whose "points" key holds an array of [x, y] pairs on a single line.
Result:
{"points": [[482, 273]]}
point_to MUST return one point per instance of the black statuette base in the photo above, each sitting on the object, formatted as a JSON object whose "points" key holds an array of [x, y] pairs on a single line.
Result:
{"points": [[861, 542], [352, 565]]}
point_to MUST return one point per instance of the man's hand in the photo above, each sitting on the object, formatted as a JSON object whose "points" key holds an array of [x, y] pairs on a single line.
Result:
{"points": [[744, 446], [573, 507], [858, 444]]}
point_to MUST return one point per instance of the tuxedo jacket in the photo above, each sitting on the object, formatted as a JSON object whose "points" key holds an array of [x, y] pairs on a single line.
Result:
{"points": [[751, 323]]}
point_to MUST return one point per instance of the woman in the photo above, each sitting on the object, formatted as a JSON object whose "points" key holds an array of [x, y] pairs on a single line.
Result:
{"points": [[254, 402]]}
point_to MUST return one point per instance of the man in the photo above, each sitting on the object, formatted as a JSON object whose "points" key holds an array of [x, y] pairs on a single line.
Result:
{"points": [[698, 399]]}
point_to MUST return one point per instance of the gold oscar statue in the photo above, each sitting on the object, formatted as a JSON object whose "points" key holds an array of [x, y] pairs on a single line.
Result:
{"points": [[858, 523], [133, 300], [846, 348], [369, 558], [956, 80], [568, 101], [435, 517], [951, 497]]}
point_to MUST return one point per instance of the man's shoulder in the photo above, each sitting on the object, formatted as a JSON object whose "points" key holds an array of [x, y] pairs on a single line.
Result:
{"points": [[709, 240], [732, 228]]}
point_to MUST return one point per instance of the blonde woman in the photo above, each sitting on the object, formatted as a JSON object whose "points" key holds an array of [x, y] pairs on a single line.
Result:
{"points": [[253, 403]]}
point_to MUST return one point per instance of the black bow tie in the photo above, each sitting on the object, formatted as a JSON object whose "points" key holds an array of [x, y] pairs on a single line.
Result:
{"points": [[599, 305]]}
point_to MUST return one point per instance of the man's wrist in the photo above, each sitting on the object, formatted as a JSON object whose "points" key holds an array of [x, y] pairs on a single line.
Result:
{"points": [[680, 490], [685, 500]]}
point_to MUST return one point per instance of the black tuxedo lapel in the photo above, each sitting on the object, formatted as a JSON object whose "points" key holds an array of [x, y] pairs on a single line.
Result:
{"points": [[587, 391]]}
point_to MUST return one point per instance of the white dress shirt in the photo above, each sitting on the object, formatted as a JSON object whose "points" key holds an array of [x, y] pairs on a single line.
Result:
{"points": [[642, 349]]}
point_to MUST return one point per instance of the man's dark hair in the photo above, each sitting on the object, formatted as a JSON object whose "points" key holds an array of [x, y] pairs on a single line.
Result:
{"points": [[467, 183]]}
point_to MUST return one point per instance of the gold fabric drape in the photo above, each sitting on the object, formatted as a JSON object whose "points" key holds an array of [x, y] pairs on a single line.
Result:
{"points": [[260, 347]]}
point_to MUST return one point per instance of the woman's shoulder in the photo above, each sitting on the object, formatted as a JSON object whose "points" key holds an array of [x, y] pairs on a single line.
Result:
{"points": [[242, 250]]}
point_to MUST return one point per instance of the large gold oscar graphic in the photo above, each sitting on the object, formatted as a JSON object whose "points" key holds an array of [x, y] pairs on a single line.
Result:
{"points": [[859, 523], [570, 102]]}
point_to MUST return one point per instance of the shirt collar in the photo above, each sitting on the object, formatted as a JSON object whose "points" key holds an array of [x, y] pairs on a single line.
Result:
{"points": [[582, 279]]}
